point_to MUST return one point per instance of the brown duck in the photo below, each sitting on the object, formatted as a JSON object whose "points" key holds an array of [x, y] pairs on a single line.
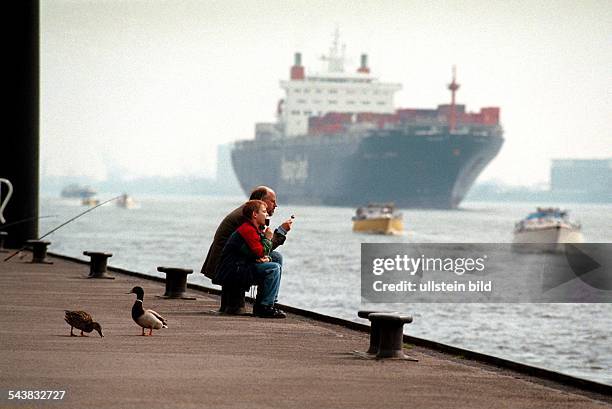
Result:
{"points": [[83, 321]]}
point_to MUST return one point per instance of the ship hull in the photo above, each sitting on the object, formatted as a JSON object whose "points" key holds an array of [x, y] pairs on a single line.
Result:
{"points": [[411, 170]]}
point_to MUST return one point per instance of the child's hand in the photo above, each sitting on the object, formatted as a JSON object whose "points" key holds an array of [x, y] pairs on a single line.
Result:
{"points": [[263, 259], [268, 233]]}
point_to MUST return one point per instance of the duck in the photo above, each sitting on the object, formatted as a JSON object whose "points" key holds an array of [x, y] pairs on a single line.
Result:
{"points": [[83, 321], [145, 318]]}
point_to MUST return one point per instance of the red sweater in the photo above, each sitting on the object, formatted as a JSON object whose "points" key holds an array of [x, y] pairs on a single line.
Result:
{"points": [[254, 239]]}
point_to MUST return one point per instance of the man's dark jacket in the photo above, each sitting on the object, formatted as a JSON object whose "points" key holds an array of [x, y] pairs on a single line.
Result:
{"points": [[231, 222], [238, 260]]}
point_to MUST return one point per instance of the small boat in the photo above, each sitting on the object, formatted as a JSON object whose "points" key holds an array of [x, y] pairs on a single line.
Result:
{"points": [[90, 201], [547, 229], [378, 219], [126, 201]]}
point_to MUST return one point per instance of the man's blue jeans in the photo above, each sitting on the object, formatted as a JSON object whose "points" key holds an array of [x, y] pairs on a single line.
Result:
{"points": [[277, 257], [267, 277]]}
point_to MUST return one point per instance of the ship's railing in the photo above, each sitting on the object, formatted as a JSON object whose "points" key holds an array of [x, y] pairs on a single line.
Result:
{"points": [[357, 132]]}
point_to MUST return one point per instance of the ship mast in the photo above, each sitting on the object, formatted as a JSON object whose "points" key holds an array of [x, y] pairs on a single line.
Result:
{"points": [[336, 57], [453, 87]]}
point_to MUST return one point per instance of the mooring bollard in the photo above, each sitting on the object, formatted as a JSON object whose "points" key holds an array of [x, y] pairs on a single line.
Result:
{"points": [[232, 300], [39, 251], [374, 330], [3, 236], [391, 327], [176, 282], [97, 266]]}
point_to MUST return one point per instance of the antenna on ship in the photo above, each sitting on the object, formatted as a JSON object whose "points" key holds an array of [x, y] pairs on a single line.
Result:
{"points": [[335, 58], [453, 87]]}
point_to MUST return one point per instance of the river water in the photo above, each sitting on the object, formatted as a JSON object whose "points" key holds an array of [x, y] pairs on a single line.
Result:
{"points": [[322, 268]]}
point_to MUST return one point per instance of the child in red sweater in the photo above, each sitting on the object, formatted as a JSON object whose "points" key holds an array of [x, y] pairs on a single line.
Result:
{"points": [[245, 260]]}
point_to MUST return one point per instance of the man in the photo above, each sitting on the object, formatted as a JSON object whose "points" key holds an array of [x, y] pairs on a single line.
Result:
{"points": [[233, 220], [245, 260]]}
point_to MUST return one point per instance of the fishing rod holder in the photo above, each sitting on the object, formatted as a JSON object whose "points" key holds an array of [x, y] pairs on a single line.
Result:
{"points": [[390, 328], [39, 251], [176, 282], [3, 236], [98, 264]]}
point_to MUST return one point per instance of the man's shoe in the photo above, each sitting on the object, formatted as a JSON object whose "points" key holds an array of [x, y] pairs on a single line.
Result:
{"points": [[257, 308], [267, 311]]}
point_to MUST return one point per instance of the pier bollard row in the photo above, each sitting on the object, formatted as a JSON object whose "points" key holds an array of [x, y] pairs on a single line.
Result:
{"points": [[39, 251], [176, 282], [97, 266]]}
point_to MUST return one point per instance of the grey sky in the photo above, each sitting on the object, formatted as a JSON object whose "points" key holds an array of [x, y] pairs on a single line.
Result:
{"points": [[151, 87]]}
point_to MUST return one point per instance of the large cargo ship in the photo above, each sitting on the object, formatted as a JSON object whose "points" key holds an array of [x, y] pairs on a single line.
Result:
{"points": [[340, 141]]}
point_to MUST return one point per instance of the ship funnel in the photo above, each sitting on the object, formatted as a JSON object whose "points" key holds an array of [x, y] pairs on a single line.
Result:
{"points": [[364, 64], [297, 70]]}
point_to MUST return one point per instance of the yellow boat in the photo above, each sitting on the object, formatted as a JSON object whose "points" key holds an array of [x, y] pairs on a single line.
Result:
{"points": [[378, 219], [90, 201]]}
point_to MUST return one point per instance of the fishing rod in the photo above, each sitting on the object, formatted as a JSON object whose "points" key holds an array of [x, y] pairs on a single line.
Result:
{"points": [[63, 224], [4, 226]]}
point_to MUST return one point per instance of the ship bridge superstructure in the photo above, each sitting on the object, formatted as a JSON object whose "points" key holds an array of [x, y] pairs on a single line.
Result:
{"points": [[335, 91]]}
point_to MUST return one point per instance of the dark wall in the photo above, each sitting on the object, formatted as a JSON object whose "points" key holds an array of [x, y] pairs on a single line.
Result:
{"points": [[19, 143]]}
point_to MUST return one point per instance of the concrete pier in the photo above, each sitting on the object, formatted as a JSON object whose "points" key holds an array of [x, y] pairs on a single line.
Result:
{"points": [[207, 360]]}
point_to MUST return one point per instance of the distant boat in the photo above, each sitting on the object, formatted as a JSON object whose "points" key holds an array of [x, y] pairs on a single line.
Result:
{"points": [[126, 202], [90, 201], [378, 219], [547, 229], [77, 191]]}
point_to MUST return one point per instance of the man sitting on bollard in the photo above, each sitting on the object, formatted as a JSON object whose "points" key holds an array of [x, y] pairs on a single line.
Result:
{"points": [[245, 260], [231, 222]]}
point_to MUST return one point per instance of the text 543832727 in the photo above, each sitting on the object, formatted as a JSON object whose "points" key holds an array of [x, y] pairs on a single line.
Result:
{"points": [[36, 394]]}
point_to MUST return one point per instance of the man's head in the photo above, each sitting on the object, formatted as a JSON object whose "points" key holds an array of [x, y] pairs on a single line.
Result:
{"points": [[266, 195], [255, 211]]}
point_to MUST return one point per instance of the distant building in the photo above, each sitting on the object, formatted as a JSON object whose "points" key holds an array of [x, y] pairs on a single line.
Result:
{"points": [[586, 179]]}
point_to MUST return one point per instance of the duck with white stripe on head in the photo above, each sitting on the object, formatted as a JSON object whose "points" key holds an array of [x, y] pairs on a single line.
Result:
{"points": [[145, 318]]}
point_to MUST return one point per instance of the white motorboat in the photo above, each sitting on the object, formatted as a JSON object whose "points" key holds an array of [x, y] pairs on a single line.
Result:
{"points": [[550, 227]]}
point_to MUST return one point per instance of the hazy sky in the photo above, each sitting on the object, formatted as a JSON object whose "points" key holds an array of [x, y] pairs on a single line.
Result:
{"points": [[151, 87]]}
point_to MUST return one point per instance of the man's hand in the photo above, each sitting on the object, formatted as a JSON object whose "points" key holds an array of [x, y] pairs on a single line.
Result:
{"points": [[287, 224], [268, 233], [263, 259]]}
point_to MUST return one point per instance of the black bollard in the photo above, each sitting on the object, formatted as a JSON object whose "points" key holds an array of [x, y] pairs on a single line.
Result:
{"points": [[391, 327], [3, 236], [176, 282], [39, 251], [374, 331], [232, 300], [97, 266]]}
